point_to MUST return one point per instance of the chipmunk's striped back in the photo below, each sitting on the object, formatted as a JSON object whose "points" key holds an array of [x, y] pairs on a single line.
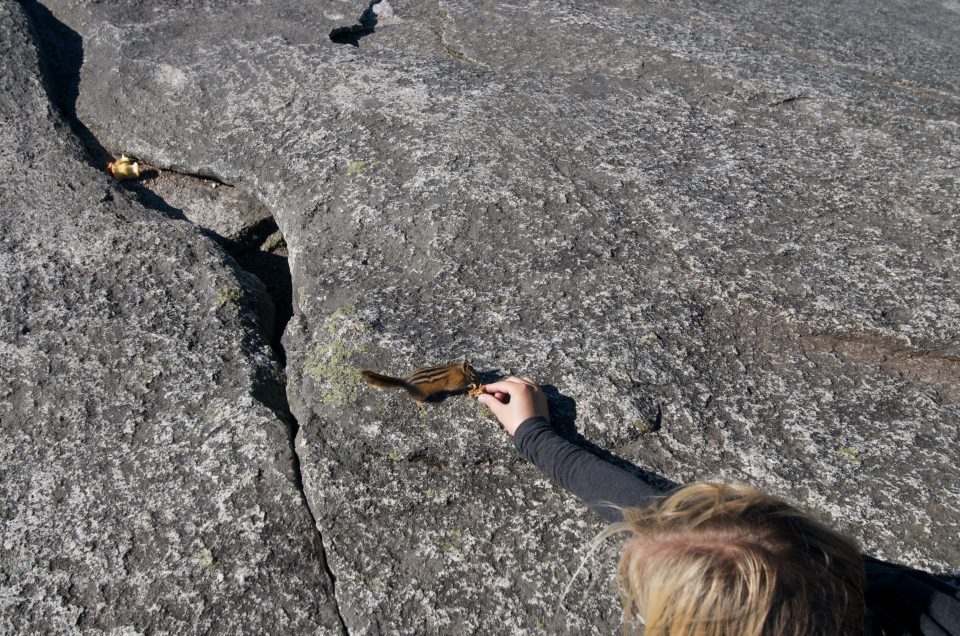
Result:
{"points": [[429, 376], [424, 383]]}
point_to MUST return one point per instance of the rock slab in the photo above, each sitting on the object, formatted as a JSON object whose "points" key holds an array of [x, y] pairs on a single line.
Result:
{"points": [[148, 481], [724, 233]]}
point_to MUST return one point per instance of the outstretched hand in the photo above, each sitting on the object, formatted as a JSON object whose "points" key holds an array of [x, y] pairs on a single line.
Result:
{"points": [[514, 400]]}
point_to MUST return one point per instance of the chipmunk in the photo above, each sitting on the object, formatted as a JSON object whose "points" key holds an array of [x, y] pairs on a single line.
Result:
{"points": [[426, 383], [124, 168]]}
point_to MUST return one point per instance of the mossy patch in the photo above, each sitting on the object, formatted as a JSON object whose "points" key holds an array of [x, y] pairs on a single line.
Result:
{"points": [[360, 165], [330, 364], [228, 296], [849, 454], [452, 543], [274, 242], [206, 559]]}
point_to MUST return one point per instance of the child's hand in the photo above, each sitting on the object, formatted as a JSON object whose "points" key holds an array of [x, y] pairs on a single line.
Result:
{"points": [[514, 400]]}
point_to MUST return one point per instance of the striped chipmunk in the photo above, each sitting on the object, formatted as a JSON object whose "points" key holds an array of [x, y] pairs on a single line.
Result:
{"points": [[426, 383]]}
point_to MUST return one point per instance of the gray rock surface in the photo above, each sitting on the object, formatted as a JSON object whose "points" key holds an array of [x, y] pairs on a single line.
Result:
{"points": [[226, 210], [725, 233], [148, 482]]}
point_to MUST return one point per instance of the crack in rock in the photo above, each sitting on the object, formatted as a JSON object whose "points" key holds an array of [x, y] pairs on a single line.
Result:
{"points": [[454, 51], [60, 53], [250, 247], [293, 427], [259, 253]]}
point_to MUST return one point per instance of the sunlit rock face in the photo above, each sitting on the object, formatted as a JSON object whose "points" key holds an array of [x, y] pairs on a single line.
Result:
{"points": [[148, 482], [725, 236]]}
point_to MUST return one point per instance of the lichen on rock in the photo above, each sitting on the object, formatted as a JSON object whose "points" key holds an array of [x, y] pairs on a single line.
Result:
{"points": [[228, 296], [331, 360]]}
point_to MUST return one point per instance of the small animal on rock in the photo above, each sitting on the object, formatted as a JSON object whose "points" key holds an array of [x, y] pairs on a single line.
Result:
{"points": [[426, 383]]}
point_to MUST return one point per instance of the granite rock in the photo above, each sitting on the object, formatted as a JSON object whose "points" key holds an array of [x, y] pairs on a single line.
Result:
{"points": [[227, 211], [148, 481], [725, 234]]}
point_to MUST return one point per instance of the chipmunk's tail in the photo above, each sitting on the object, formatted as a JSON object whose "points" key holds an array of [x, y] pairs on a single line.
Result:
{"points": [[381, 381]]}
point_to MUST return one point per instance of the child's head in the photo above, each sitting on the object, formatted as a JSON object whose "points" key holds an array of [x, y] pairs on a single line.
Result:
{"points": [[714, 559]]}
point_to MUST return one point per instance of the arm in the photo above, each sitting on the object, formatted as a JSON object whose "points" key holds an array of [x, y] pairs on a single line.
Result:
{"points": [[521, 407], [901, 600], [599, 483]]}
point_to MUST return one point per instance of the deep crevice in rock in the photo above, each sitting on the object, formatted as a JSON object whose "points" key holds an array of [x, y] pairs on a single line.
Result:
{"points": [[258, 249], [262, 251], [321, 551], [365, 26]]}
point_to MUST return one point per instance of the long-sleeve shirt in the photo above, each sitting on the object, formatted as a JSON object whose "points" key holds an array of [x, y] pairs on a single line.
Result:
{"points": [[900, 600]]}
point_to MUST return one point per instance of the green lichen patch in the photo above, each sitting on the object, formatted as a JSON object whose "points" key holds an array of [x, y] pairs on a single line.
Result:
{"points": [[330, 363], [453, 542], [437, 496], [345, 322], [273, 243], [228, 296], [849, 454], [330, 366], [206, 559], [360, 165]]}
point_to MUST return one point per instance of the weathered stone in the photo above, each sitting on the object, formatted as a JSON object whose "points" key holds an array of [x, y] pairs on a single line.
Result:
{"points": [[226, 210], [148, 481], [725, 233]]}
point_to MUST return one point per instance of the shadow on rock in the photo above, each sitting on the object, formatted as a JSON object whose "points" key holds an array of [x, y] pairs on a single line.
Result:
{"points": [[351, 35], [563, 415], [60, 50]]}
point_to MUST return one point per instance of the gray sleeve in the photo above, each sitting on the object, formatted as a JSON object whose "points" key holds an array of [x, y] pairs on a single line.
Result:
{"points": [[599, 483]]}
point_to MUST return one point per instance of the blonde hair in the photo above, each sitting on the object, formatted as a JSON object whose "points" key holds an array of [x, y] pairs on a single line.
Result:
{"points": [[715, 559]]}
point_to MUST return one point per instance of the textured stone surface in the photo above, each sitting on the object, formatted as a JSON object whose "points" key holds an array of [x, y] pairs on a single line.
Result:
{"points": [[732, 223], [226, 210], [147, 481]]}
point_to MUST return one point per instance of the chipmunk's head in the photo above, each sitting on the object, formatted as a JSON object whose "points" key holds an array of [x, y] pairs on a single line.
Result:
{"points": [[470, 372]]}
